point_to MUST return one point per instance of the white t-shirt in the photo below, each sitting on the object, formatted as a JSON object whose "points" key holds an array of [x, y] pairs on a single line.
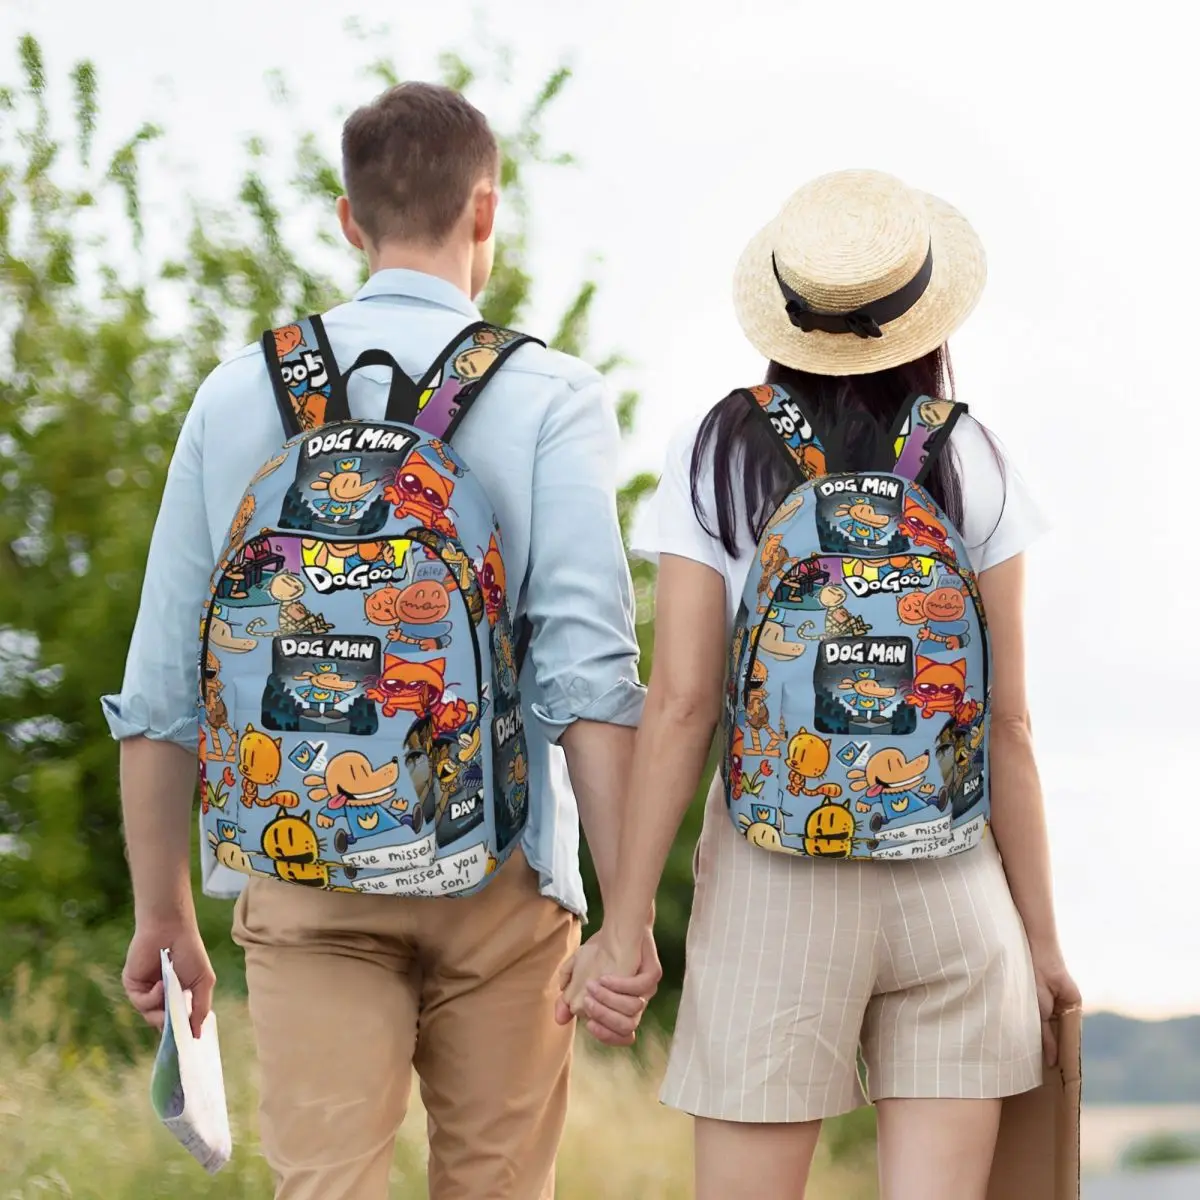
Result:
{"points": [[1000, 517]]}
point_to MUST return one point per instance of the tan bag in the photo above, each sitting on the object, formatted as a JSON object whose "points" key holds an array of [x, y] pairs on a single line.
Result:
{"points": [[1037, 1152]]}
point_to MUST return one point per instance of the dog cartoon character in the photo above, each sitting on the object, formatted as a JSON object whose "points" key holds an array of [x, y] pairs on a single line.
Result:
{"points": [[861, 523], [421, 493], [417, 688], [323, 688], [808, 760], [345, 489], [221, 635], [771, 638], [894, 782], [227, 852], [867, 696], [923, 528], [938, 687], [360, 800]]}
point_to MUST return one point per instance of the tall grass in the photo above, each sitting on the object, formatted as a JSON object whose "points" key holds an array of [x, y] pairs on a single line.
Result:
{"points": [[77, 1123]]}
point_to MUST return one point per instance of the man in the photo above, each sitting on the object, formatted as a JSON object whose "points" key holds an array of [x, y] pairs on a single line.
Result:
{"points": [[349, 992]]}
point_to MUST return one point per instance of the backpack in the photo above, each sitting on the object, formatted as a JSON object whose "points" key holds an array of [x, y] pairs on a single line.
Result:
{"points": [[856, 707], [361, 724]]}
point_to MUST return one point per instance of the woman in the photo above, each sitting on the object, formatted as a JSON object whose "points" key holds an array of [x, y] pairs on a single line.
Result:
{"points": [[936, 966]]}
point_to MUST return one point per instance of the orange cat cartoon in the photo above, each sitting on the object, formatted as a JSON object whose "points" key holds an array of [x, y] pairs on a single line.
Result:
{"points": [[924, 529], [938, 687], [808, 760], [492, 581], [417, 688], [419, 492]]}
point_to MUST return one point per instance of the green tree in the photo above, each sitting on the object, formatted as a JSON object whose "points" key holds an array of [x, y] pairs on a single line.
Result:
{"points": [[93, 385]]}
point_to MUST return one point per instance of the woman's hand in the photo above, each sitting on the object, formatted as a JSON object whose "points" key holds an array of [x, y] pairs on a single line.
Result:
{"points": [[1056, 992], [609, 985]]}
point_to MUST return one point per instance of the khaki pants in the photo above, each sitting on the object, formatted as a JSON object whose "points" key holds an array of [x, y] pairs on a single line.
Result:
{"points": [[349, 992]]}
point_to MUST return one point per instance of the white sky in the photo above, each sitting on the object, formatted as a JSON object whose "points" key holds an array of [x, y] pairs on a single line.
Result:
{"points": [[1066, 136]]}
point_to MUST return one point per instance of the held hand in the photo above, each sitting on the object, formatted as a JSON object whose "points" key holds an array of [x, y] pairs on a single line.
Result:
{"points": [[1056, 992], [609, 988], [142, 976]]}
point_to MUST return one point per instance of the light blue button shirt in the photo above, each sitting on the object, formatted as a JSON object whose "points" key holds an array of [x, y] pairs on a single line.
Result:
{"points": [[542, 439]]}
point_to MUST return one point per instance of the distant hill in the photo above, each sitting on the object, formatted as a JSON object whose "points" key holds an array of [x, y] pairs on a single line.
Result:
{"points": [[1140, 1062]]}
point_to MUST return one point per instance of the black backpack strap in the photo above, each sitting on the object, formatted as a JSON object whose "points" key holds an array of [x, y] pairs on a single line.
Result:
{"points": [[792, 431], [403, 394], [304, 375], [922, 429], [459, 374]]}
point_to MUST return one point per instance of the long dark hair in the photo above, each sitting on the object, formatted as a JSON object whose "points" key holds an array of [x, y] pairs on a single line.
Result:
{"points": [[853, 415]]}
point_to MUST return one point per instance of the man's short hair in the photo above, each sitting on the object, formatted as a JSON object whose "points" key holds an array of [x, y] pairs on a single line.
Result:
{"points": [[410, 159]]}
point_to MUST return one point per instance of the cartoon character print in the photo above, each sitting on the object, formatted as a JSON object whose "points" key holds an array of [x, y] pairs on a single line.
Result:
{"points": [[221, 634], [933, 414], [360, 800], [775, 561], [940, 687], [741, 783], [862, 524], [829, 830], [492, 580], [293, 617], [346, 492], [895, 783], [216, 712], [350, 554], [417, 688], [807, 761], [295, 850], [839, 621], [758, 714], [810, 458], [504, 657], [323, 690], [226, 850], [864, 695], [269, 468], [939, 616], [422, 494], [922, 527], [771, 637], [260, 759], [414, 614], [240, 524]]}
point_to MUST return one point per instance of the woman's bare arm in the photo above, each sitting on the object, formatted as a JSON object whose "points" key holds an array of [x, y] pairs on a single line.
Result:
{"points": [[1018, 813]]}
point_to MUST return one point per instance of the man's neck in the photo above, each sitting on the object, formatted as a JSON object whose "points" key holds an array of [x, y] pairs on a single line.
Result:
{"points": [[451, 263]]}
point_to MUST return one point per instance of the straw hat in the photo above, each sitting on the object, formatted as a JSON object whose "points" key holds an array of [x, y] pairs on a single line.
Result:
{"points": [[857, 273]]}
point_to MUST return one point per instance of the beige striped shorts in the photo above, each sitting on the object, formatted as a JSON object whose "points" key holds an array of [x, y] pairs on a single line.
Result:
{"points": [[795, 965]]}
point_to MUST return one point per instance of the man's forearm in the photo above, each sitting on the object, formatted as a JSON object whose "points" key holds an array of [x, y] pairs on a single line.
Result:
{"points": [[157, 782], [598, 759]]}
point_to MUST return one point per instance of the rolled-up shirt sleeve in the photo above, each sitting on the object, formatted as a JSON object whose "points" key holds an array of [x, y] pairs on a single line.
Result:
{"points": [[579, 595], [159, 696]]}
